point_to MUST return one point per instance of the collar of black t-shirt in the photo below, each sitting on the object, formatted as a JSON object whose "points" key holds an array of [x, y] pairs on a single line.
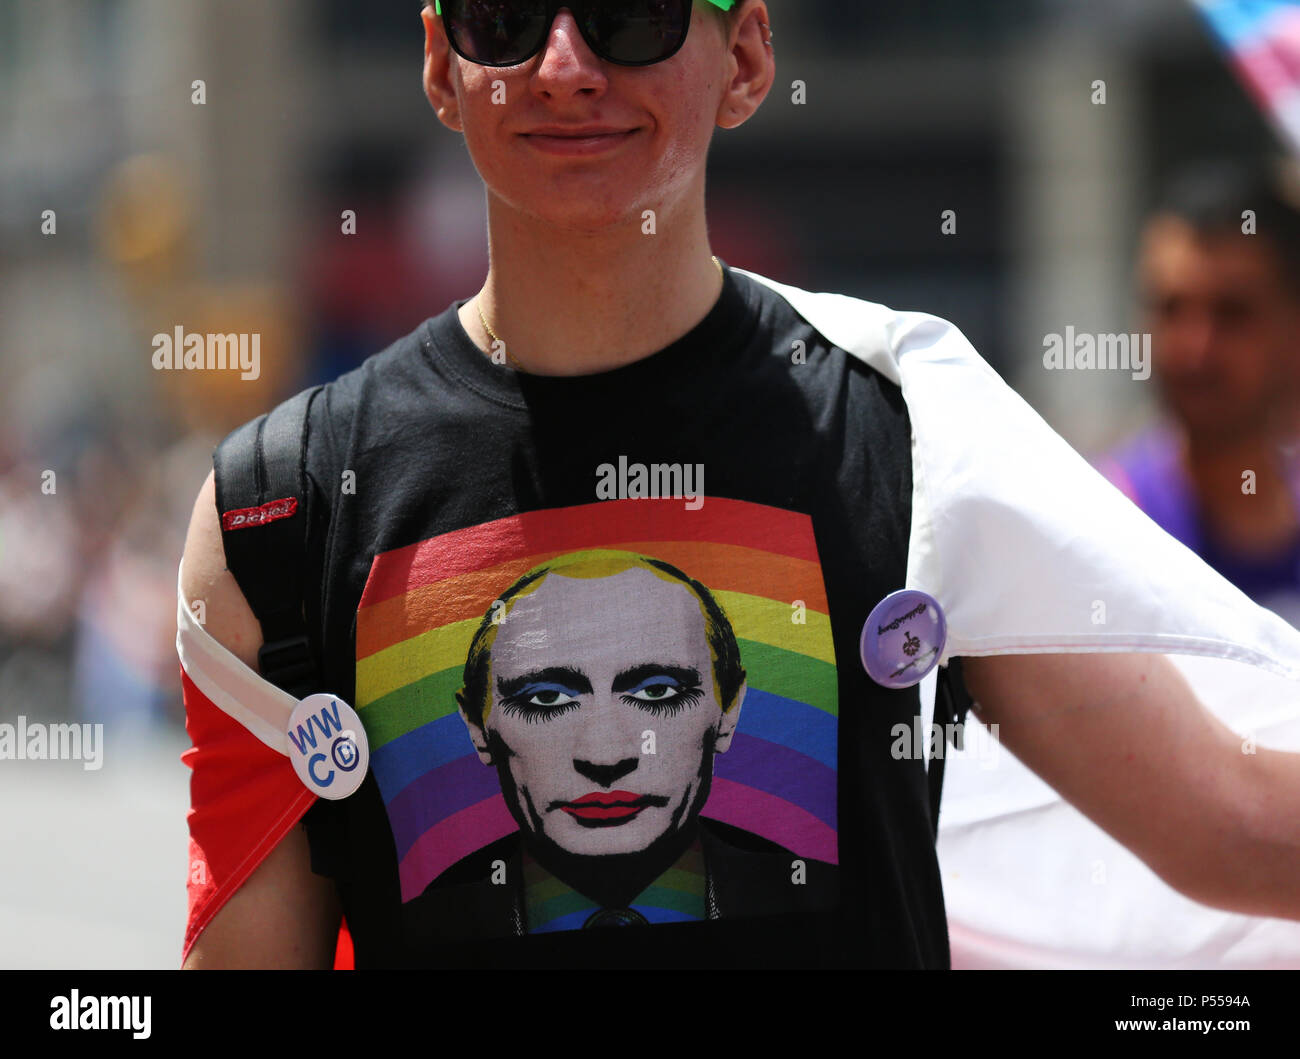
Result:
{"points": [[711, 345]]}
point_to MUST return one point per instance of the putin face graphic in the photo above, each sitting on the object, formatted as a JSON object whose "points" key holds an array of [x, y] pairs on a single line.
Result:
{"points": [[600, 686]]}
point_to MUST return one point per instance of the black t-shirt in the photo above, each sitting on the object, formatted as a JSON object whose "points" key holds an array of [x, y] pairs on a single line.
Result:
{"points": [[602, 631]]}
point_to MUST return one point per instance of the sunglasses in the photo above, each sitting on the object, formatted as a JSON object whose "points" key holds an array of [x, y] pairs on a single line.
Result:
{"points": [[624, 32]]}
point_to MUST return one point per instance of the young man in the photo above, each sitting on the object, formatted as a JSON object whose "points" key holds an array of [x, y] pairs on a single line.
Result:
{"points": [[607, 352]]}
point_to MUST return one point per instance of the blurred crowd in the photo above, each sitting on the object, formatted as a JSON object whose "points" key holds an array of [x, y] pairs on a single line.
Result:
{"points": [[96, 490]]}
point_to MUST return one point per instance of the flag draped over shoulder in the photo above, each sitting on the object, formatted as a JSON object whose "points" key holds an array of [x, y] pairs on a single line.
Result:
{"points": [[1028, 548], [1262, 39]]}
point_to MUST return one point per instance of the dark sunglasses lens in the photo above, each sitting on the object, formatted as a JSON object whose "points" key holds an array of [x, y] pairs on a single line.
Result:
{"points": [[496, 32], [636, 32]]}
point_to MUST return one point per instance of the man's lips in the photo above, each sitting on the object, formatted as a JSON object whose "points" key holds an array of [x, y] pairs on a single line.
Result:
{"points": [[569, 141], [608, 805], [577, 130]]}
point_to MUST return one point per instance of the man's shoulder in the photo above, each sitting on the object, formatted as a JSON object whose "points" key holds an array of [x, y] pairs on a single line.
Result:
{"points": [[396, 367], [872, 334], [1156, 445], [391, 366], [326, 425], [1147, 467]]}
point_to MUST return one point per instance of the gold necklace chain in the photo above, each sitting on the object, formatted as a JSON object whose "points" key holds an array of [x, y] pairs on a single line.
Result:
{"points": [[492, 334]]}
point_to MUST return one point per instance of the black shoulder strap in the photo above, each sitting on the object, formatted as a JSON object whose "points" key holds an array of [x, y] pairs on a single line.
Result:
{"points": [[951, 703], [264, 501]]}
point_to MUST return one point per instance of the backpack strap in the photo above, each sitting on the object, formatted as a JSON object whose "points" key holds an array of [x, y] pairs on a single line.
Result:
{"points": [[951, 703], [264, 500]]}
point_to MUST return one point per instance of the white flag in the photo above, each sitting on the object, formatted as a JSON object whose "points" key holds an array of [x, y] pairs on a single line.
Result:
{"points": [[1027, 548]]}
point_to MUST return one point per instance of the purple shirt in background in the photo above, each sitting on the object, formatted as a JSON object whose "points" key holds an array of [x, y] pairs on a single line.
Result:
{"points": [[1148, 471]]}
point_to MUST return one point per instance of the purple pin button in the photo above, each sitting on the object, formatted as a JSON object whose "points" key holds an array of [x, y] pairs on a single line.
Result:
{"points": [[903, 638]]}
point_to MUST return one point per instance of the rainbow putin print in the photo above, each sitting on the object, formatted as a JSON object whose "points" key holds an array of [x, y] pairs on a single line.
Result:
{"points": [[622, 702]]}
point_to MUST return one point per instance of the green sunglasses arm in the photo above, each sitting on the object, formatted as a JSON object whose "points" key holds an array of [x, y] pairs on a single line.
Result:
{"points": [[725, 5]]}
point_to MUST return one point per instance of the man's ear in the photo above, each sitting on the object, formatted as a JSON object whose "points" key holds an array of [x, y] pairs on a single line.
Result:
{"points": [[477, 735], [751, 66], [440, 71], [730, 718]]}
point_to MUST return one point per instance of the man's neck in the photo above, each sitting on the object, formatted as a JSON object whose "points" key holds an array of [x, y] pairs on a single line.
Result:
{"points": [[577, 303], [1251, 515]]}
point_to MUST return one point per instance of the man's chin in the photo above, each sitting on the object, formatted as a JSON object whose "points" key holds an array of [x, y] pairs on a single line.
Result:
{"points": [[569, 208]]}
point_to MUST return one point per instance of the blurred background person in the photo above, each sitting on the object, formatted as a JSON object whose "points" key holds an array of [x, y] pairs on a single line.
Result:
{"points": [[1219, 279]]}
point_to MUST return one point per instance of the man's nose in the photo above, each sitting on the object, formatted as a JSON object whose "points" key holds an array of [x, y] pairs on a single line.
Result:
{"points": [[565, 52], [604, 775]]}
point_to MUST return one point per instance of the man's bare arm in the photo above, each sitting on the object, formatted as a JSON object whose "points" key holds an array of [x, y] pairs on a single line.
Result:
{"points": [[284, 915], [1124, 739]]}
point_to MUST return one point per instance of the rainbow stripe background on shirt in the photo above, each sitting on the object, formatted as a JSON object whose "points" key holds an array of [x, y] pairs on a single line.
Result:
{"points": [[1262, 38], [423, 603]]}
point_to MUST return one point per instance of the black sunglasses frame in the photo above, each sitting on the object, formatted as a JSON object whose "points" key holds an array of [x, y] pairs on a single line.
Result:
{"points": [[580, 10]]}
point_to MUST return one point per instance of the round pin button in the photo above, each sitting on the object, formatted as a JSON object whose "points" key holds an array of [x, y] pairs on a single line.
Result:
{"points": [[328, 746], [903, 638]]}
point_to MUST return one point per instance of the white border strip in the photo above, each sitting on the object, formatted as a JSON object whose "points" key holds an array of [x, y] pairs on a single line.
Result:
{"points": [[232, 686]]}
